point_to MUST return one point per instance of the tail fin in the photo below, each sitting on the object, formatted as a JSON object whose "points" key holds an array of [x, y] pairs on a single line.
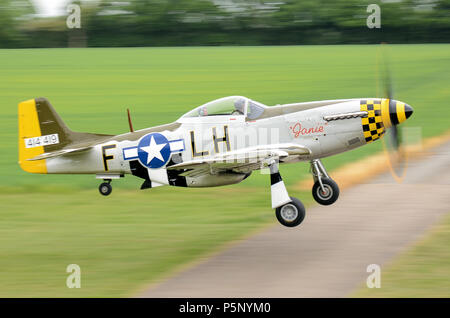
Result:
{"points": [[41, 130], [33, 135]]}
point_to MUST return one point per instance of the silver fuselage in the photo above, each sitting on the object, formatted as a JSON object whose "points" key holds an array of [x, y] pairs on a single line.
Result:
{"points": [[326, 128]]}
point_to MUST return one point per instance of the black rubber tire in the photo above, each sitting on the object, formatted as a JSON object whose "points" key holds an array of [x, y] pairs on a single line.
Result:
{"points": [[105, 189], [331, 196], [300, 213]]}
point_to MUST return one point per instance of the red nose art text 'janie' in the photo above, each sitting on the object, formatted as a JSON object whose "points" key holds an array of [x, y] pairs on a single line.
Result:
{"points": [[298, 130]]}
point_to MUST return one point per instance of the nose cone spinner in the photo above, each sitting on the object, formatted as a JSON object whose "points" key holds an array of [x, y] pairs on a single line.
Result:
{"points": [[408, 111], [395, 112]]}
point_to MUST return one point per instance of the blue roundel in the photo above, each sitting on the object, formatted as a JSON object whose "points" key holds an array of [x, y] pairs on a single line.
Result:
{"points": [[154, 150]]}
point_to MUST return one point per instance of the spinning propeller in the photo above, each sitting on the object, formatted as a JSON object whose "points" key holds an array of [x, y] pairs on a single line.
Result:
{"points": [[394, 113]]}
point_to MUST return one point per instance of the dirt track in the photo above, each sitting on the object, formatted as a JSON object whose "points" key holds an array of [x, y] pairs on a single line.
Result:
{"points": [[327, 255]]}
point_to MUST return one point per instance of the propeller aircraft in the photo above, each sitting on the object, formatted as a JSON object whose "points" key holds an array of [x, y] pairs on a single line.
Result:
{"points": [[219, 143]]}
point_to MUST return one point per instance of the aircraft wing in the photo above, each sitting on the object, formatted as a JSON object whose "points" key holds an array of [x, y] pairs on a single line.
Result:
{"points": [[240, 161]]}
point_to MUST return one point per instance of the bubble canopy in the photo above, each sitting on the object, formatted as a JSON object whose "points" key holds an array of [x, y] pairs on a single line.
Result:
{"points": [[228, 106]]}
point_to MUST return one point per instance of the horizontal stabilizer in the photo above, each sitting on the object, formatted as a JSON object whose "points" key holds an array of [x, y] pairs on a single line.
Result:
{"points": [[43, 134], [58, 153]]}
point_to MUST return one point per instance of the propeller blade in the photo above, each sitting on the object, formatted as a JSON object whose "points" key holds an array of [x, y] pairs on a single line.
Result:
{"points": [[395, 137], [396, 156], [386, 75]]}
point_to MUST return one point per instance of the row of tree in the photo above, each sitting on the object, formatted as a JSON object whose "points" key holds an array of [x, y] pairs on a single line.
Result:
{"points": [[226, 22]]}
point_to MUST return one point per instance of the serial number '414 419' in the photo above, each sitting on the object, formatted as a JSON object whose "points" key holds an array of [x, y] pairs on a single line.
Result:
{"points": [[42, 141]]}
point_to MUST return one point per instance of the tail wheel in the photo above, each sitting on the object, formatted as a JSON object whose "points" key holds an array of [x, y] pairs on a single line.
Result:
{"points": [[328, 195], [105, 188], [291, 214]]}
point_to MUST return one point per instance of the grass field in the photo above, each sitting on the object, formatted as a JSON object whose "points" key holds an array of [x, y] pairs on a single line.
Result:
{"points": [[134, 237], [422, 271]]}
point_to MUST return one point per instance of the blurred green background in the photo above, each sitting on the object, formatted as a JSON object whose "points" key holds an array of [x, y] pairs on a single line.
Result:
{"points": [[133, 237], [109, 23]]}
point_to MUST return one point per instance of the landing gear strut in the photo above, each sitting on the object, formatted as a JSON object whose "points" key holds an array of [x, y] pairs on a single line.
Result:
{"points": [[289, 211], [325, 191], [105, 188]]}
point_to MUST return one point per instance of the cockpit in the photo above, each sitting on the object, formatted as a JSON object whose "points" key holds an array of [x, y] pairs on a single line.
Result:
{"points": [[229, 106]]}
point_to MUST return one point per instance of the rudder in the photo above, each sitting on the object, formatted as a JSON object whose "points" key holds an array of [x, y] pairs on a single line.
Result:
{"points": [[28, 128]]}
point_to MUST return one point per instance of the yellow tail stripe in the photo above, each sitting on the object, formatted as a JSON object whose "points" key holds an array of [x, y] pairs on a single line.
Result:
{"points": [[401, 112], [28, 128]]}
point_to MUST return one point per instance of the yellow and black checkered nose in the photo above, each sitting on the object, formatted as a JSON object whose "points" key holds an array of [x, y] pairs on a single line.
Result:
{"points": [[381, 114]]}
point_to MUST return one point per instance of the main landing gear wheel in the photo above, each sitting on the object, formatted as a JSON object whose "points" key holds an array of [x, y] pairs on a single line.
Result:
{"points": [[105, 188], [291, 214], [326, 195], [325, 191]]}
